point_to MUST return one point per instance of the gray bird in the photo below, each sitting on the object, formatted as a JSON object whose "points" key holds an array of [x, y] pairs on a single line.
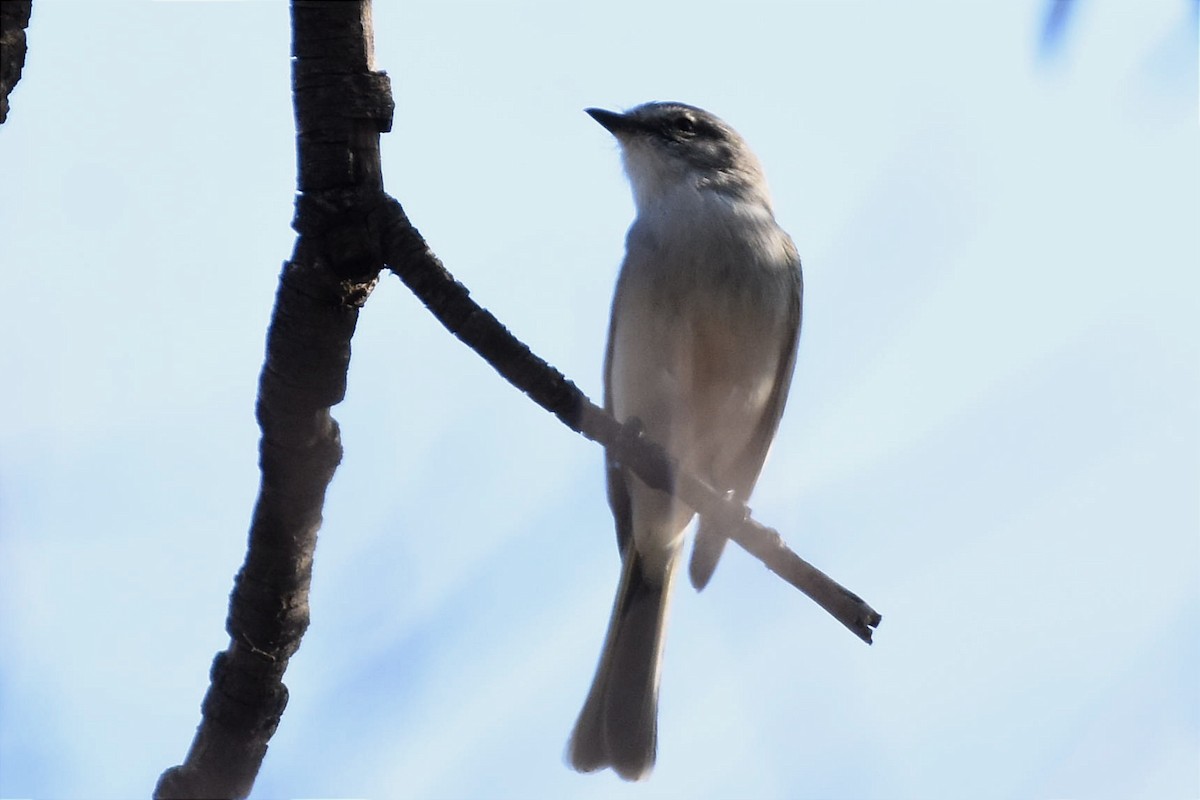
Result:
{"points": [[701, 346]]}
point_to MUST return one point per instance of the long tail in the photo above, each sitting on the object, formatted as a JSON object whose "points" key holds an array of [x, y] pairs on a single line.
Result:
{"points": [[618, 726]]}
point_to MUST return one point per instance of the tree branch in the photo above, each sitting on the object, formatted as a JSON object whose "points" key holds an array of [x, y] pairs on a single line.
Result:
{"points": [[407, 254], [347, 230], [14, 19], [341, 108]]}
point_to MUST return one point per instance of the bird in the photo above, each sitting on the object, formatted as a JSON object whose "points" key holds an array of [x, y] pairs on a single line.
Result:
{"points": [[701, 348]]}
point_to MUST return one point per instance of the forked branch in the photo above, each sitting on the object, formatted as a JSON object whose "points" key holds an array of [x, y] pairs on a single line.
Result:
{"points": [[348, 230]]}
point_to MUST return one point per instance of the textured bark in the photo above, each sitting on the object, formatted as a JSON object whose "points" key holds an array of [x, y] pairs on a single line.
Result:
{"points": [[348, 230], [409, 257], [341, 108], [14, 19]]}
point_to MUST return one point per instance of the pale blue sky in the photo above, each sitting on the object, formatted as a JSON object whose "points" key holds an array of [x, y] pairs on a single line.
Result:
{"points": [[993, 435]]}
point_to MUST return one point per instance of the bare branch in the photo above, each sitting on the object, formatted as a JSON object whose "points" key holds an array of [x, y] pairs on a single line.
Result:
{"points": [[348, 229], [341, 107], [14, 19], [410, 258]]}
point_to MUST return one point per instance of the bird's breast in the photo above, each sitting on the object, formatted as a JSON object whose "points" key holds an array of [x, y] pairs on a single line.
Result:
{"points": [[704, 310]]}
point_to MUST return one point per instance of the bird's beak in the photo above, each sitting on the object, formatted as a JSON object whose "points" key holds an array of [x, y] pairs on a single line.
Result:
{"points": [[614, 123]]}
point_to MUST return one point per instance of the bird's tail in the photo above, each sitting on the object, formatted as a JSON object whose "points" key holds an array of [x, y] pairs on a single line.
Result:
{"points": [[618, 726]]}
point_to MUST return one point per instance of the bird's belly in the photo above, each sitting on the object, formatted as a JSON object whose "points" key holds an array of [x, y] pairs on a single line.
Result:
{"points": [[699, 376]]}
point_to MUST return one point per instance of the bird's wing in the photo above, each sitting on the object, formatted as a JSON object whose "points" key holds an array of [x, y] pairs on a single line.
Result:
{"points": [[618, 488], [710, 540]]}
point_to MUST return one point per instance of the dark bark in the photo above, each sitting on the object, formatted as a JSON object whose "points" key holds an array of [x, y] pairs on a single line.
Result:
{"points": [[348, 229], [409, 256], [341, 108], [14, 19]]}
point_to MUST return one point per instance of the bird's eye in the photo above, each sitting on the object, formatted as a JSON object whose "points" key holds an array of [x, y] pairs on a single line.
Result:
{"points": [[685, 125]]}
